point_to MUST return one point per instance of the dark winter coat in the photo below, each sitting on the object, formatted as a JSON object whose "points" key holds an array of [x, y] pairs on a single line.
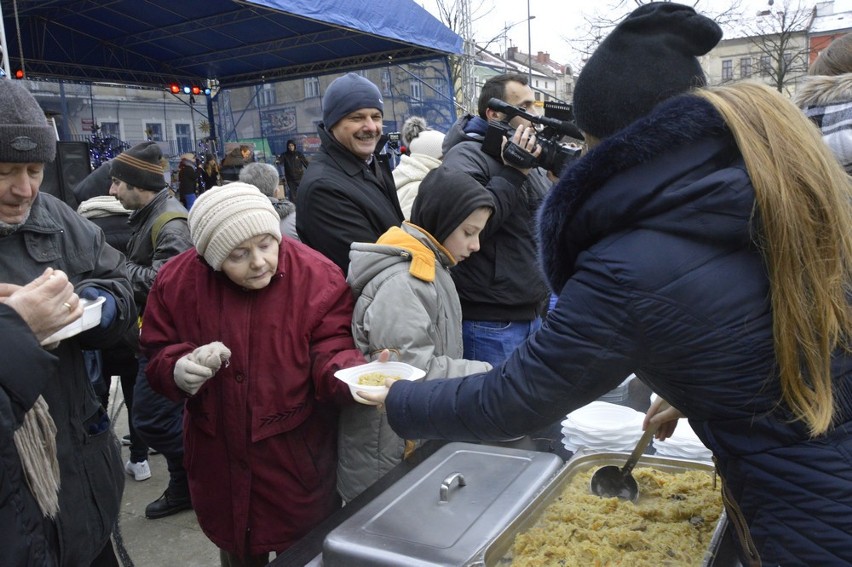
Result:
{"points": [[341, 201], [649, 242], [91, 471], [260, 435], [144, 259], [294, 164], [501, 282], [25, 535]]}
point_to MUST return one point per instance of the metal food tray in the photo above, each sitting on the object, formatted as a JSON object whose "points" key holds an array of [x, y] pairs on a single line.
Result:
{"points": [[721, 552]]}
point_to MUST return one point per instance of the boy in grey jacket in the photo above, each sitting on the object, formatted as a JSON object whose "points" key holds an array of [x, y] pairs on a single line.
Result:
{"points": [[406, 302]]}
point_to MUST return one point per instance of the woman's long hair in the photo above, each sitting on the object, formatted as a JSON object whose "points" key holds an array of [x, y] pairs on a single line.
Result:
{"points": [[805, 217]]}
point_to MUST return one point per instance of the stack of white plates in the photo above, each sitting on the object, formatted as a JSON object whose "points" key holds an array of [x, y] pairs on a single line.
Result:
{"points": [[602, 426], [683, 444]]}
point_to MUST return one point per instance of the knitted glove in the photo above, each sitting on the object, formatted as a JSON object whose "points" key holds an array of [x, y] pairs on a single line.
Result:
{"points": [[189, 375], [211, 355], [194, 369]]}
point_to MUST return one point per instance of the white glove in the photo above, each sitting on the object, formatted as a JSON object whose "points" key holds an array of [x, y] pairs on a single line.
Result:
{"points": [[189, 375], [211, 355], [194, 369]]}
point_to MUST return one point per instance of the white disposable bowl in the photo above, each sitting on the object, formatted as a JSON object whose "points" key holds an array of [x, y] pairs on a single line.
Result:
{"points": [[399, 370], [91, 317]]}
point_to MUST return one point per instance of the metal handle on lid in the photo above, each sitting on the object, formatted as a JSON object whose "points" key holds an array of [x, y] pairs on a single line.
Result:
{"points": [[447, 484]]}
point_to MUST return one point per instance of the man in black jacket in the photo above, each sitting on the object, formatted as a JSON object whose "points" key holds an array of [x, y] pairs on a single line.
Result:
{"points": [[294, 163], [347, 194], [160, 232], [501, 289]]}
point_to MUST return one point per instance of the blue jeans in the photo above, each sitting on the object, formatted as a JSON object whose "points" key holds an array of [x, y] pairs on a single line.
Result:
{"points": [[494, 341]]}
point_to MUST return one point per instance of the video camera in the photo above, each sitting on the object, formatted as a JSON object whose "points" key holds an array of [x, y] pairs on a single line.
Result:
{"points": [[394, 143], [553, 156]]}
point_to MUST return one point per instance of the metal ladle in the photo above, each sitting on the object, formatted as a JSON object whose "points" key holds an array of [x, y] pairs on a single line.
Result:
{"points": [[612, 481]]}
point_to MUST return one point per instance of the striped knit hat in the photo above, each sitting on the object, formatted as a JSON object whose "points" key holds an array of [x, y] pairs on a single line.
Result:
{"points": [[224, 217], [140, 167]]}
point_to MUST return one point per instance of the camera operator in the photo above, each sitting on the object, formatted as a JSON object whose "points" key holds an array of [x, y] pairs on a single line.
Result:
{"points": [[501, 289]]}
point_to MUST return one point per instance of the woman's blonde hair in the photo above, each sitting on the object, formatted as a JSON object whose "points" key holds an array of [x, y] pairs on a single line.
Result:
{"points": [[804, 221]]}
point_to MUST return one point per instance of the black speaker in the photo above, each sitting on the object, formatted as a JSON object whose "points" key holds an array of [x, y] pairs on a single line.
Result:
{"points": [[69, 168]]}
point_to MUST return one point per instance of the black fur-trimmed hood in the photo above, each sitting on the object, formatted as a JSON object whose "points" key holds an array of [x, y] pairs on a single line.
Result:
{"points": [[567, 223]]}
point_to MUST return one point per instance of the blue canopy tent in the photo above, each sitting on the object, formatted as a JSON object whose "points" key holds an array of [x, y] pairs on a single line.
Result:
{"points": [[237, 42]]}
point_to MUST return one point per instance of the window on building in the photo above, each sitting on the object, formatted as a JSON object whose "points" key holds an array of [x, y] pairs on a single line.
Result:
{"points": [[745, 67], [110, 129], [312, 87], [154, 131], [788, 60], [386, 82], [183, 136], [266, 95], [727, 69], [416, 89], [765, 65]]}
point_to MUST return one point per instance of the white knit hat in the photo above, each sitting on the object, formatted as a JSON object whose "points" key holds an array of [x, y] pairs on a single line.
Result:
{"points": [[223, 217], [427, 142]]}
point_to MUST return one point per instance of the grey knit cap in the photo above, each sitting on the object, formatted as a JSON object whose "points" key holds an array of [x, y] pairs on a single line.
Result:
{"points": [[25, 135], [140, 166], [223, 217], [347, 94]]}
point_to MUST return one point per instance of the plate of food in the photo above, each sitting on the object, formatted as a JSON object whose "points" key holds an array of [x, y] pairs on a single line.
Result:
{"points": [[91, 318], [371, 377]]}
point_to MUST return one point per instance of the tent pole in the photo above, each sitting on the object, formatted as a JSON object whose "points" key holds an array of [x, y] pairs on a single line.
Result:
{"points": [[6, 70]]}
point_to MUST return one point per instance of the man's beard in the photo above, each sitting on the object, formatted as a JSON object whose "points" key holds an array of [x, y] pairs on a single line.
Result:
{"points": [[6, 229]]}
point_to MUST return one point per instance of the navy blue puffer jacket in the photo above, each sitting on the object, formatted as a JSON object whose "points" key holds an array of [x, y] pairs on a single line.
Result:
{"points": [[649, 242]]}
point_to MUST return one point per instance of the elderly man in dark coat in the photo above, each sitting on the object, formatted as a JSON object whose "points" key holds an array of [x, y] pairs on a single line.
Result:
{"points": [[347, 194]]}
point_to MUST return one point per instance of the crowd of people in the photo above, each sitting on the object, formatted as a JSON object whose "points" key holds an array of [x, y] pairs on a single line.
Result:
{"points": [[699, 242]]}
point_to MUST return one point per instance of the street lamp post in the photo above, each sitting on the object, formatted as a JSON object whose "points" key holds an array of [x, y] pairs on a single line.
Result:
{"points": [[529, 44]]}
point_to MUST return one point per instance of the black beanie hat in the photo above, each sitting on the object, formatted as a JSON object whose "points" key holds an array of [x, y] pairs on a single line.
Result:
{"points": [[25, 135], [445, 198], [140, 167], [650, 56]]}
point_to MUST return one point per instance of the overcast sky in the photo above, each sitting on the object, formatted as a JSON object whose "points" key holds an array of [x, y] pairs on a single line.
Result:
{"points": [[558, 20]]}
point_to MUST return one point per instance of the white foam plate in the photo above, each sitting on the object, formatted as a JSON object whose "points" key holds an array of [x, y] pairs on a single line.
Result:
{"points": [[600, 417], [398, 369], [91, 318]]}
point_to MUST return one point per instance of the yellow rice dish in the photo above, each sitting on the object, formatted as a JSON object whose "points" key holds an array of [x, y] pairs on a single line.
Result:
{"points": [[375, 379], [670, 525]]}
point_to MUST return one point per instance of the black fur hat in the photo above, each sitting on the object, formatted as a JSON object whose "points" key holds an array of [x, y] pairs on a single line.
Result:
{"points": [[650, 56]]}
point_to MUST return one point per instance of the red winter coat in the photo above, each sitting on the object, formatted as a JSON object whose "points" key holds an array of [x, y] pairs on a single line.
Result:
{"points": [[260, 435]]}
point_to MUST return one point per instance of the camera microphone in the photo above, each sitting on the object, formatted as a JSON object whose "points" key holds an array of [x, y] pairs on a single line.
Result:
{"points": [[501, 106], [563, 128]]}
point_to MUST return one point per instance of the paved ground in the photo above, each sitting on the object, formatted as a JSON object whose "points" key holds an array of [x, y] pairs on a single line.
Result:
{"points": [[175, 541]]}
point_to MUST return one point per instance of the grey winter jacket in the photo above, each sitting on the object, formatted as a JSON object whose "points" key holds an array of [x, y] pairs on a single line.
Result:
{"points": [[143, 258], [91, 472], [420, 320]]}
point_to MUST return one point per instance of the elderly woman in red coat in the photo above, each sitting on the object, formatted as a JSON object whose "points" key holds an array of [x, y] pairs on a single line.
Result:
{"points": [[249, 328]]}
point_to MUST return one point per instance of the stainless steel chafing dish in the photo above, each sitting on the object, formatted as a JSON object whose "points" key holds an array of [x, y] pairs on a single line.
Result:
{"points": [[721, 552], [444, 510]]}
